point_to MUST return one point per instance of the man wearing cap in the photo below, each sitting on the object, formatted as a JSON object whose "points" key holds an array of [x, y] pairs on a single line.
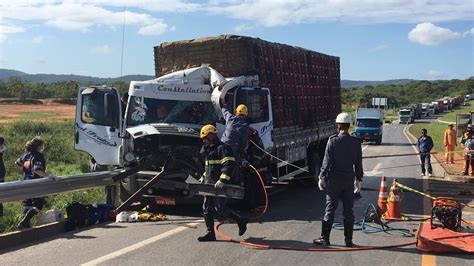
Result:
{"points": [[467, 142], [219, 164], [340, 173], [450, 143], [425, 145]]}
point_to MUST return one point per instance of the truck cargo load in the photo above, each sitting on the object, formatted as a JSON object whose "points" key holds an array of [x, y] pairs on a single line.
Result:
{"points": [[305, 85]]}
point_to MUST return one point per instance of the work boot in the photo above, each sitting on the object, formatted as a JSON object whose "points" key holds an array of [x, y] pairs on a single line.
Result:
{"points": [[242, 223], [348, 230], [25, 222], [210, 236], [325, 232]]}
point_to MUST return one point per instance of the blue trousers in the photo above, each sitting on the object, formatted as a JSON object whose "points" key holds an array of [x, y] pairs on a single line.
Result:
{"points": [[426, 159], [339, 191]]}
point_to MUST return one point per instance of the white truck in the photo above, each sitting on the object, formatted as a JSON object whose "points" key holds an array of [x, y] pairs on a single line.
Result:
{"points": [[406, 115], [425, 109], [431, 109], [163, 116]]}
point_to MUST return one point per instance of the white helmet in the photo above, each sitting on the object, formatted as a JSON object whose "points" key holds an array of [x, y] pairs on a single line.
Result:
{"points": [[343, 118]]}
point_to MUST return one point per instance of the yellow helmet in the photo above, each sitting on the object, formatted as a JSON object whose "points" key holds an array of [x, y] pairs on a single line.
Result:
{"points": [[206, 130], [242, 110]]}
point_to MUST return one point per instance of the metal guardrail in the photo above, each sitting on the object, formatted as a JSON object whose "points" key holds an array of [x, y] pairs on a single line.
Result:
{"points": [[20, 190]]}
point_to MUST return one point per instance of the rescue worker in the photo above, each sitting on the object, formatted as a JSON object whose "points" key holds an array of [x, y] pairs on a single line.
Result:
{"points": [[450, 143], [425, 145], [219, 164], [341, 172], [467, 143], [236, 135], [3, 147], [33, 164]]}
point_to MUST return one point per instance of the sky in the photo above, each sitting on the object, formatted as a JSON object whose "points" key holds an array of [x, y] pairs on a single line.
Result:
{"points": [[375, 39]]}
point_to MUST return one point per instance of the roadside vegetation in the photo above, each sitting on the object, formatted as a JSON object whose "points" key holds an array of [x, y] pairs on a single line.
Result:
{"points": [[61, 160], [451, 117]]}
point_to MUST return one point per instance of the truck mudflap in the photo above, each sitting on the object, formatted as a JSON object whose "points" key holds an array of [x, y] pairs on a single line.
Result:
{"points": [[228, 191]]}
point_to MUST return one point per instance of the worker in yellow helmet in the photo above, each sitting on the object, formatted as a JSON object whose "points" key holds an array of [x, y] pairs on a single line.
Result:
{"points": [[236, 134], [219, 165]]}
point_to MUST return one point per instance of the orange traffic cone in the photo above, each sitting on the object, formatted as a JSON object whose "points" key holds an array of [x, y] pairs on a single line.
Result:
{"points": [[393, 206], [383, 194]]}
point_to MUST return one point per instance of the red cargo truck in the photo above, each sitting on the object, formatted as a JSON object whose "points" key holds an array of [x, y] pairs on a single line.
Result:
{"points": [[305, 91]]}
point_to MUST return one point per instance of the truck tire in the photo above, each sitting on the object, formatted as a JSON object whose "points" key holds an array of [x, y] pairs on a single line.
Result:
{"points": [[128, 186], [379, 141], [314, 168]]}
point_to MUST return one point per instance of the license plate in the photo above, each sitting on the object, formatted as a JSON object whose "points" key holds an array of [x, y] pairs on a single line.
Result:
{"points": [[165, 201]]}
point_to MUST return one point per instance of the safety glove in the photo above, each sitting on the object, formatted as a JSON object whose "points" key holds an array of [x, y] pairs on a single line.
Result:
{"points": [[357, 186], [322, 183], [219, 184]]}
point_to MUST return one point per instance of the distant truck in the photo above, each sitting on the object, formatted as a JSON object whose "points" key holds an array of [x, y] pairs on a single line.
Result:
{"points": [[416, 110], [431, 109], [436, 107], [448, 103], [369, 124], [425, 109], [406, 115]]}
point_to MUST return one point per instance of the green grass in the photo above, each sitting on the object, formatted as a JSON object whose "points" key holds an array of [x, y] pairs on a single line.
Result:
{"points": [[61, 159], [451, 117], [436, 131]]}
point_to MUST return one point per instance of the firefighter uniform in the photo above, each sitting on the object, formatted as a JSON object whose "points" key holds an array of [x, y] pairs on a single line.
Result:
{"points": [[219, 165], [30, 162], [236, 136], [450, 144], [467, 143]]}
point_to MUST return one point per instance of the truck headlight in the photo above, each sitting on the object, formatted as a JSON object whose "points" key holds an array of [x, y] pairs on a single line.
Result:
{"points": [[129, 157]]}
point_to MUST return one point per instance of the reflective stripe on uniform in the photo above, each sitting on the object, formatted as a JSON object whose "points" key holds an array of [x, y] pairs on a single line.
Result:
{"points": [[225, 177], [224, 160]]}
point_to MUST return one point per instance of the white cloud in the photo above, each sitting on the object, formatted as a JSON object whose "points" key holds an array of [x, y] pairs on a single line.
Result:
{"points": [[39, 60], [243, 27], [101, 49], [436, 74], [9, 29], [468, 33], [379, 48], [430, 34], [38, 39], [156, 28]]}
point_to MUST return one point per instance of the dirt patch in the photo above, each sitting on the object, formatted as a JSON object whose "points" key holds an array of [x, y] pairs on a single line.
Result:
{"points": [[36, 112], [453, 169]]}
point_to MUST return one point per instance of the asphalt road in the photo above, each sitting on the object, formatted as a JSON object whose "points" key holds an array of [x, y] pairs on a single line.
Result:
{"points": [[293, 220]]}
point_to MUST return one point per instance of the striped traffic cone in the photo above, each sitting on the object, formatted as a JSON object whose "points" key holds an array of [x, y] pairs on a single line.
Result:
{"points": [[393, 206], [383, 194]]}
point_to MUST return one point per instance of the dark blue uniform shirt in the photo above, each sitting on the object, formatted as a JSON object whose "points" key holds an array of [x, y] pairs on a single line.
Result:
{"points": [[30, 162], [342, 159], [236, 131], [425, 144]]}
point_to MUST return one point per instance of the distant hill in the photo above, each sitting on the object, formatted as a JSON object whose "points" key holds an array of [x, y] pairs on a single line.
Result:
{"points": [[5, 74], [50, 78], [361, 83]]}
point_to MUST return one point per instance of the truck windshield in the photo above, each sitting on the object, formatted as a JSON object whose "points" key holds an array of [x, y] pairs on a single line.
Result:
{"points": [[148, 110], [405, 112], [368, 123]]}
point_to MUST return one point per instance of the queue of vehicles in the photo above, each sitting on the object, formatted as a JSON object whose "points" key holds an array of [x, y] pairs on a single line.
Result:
{"points": [[408, 114]]}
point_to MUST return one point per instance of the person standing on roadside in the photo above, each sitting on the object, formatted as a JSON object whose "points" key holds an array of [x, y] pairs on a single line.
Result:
{"points": [[467, 142], [450, 143], [425, 145], [341, 176], [33, 165], [3, 172]]}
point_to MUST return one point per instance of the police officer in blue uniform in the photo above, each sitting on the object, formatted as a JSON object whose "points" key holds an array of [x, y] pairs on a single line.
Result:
{"points": [[219, 165], [33, 165], [340, 173], [236, 134]]}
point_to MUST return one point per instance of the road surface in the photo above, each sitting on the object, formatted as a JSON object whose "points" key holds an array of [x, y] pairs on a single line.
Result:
{"points": [[293, 220]]}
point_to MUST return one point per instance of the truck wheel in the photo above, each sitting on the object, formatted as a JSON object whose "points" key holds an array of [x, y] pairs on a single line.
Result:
{"points": [[378, 141], [314, 169], [128, 186]]}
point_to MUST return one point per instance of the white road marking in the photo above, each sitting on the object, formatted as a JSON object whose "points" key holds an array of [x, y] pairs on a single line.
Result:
{"points": [[365, 147], [138, 245], [375, 171]]}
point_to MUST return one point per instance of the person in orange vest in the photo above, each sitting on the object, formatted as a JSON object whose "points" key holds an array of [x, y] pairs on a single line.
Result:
{"points": [[467, 142], [449, 143]]}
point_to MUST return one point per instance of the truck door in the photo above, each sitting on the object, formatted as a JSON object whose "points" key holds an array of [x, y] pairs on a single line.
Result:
{"points": [[260, 115], [99, 123]]}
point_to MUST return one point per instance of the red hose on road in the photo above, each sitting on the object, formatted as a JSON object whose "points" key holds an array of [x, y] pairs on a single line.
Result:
{"points": [[261, 246]]}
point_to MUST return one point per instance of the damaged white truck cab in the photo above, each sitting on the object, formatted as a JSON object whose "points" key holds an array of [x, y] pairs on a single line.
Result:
{"points": [[164, 116]]}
